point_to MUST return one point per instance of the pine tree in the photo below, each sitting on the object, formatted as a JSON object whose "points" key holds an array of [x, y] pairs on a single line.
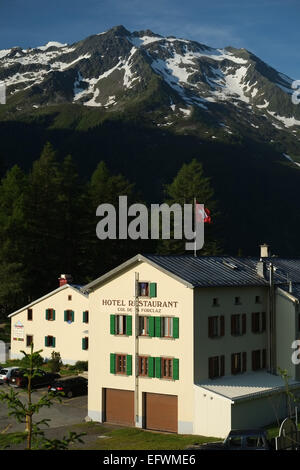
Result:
{"points": [[71, 218], [106, 188], [190, 184], [12, 240], [42, 215]]}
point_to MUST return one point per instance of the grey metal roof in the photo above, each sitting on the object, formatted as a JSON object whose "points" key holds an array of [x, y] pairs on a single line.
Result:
{"points": [[295, 289], [249, 385], [210, 271]]}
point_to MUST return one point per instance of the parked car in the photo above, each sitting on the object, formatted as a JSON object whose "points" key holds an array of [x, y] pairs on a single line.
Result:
{"points": [[247, 439], [70, 386], [5, 374], [18, 379], [242, 439]]}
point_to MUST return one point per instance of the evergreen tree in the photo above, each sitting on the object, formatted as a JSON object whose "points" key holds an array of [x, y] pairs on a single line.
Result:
{"points": [[106, 254], [71, 220], [188, 185], [42, 227], [12, 240]]}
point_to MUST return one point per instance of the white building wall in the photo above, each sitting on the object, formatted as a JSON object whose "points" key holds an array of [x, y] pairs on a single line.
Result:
{"points": [[259, 412], [212, 414], [68, 337], [102, 343]]}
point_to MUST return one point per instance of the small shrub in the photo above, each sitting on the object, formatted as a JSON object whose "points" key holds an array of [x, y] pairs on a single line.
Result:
{"points": [[55, 362], [81, 365], [38, 361]]}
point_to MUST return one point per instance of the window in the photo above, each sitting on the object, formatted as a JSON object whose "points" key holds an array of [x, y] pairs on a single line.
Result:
{"points": [[257, 299], [121, 364], [238, 363], [258, 322], [50, 341], [259, 359], [29, 340], [69, 297], [237, 301], [69, 316], [159, 327], [216, 326], [29, 314], [144, 326], [238, 324], [215, 302], [50, 314], [235, 442], [143, 289], [85, 316], [85, 343], [143, 365], [216, 366], [167, 327], [147, 289], [166, 368], [121, 325]]}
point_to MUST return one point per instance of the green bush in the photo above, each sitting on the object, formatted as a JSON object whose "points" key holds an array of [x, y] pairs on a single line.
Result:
{"points": [[38, 361], [55, 362], [81, 365]]}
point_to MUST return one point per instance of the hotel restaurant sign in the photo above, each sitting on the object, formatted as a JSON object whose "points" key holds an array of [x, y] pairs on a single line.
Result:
{"points": [[145, 306]]}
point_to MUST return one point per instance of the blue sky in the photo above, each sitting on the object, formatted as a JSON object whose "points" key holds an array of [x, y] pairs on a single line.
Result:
{"points": [[269, 28]]}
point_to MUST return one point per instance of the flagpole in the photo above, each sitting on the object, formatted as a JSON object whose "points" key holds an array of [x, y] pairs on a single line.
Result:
{"points": [[195, 215]]}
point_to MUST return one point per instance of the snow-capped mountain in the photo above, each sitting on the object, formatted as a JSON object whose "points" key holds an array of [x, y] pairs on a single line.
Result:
{"points": [[114, 69]]}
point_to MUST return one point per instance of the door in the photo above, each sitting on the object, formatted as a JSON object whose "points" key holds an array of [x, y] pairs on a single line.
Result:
{"points": [[161, 412], [119, 406]]}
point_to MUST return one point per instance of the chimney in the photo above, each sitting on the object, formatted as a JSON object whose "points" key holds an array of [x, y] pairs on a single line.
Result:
{"points": [[261, 269], [264, 251], [65, 279]]}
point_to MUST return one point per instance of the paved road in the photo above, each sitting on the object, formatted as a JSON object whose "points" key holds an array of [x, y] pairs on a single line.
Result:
{"points": [[69, 411]]}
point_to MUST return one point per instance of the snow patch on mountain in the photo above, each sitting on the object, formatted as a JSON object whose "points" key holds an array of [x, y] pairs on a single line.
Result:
{"points": [[287, 121], [51, 44], [4, 52]]}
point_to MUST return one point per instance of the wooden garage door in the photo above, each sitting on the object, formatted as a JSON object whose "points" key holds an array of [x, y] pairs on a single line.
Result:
{"points": [[161, 412], [119, 406]]}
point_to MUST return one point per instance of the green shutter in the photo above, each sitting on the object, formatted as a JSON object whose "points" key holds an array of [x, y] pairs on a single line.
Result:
{"points": [[112, 363], [152, 289], [128, 325], [85, 316], [151, 366], [175, 369], [158, 327], [47, 313], [46, 341], [129, 364], [112, 324], [176, 327], [65, 315], [53, 342], [72, 315], [83, 343], [53, 314], [158, 367], [151, 326]]}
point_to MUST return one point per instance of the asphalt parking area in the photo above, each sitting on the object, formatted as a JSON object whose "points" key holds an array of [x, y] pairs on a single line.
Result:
{"points": [[65, 413]]}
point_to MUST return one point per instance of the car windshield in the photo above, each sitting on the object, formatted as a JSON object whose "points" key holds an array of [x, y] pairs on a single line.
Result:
{"points": [[3, 371]]}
